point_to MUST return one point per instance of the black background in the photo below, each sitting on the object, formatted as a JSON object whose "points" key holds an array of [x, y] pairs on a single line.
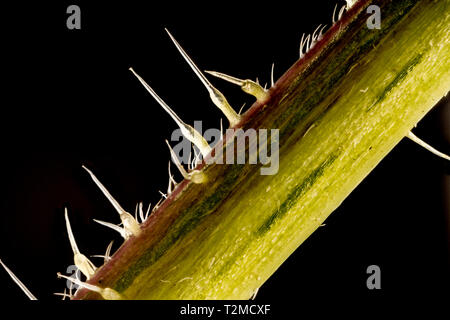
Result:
{"points": [[68, 99]]}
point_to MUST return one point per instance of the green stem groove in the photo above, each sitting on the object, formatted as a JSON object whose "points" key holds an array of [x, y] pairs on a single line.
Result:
{"points": [[340, 110]]}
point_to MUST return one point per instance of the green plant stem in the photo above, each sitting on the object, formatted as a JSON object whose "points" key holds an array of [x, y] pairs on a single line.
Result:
{"points": [[340, 110]]}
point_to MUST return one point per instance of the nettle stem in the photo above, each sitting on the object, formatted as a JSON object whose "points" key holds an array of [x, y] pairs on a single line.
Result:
{"points": [[339, 111]]}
